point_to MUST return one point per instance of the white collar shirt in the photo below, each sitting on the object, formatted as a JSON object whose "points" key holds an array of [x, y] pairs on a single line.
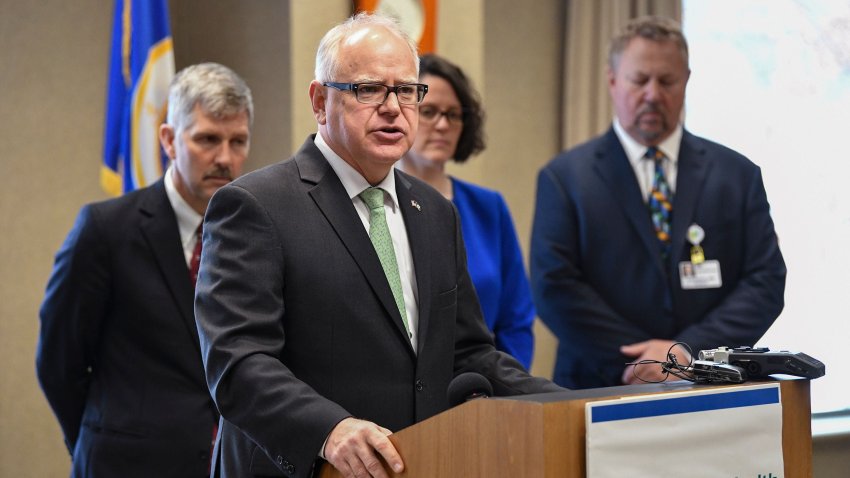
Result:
{"points": [[354, 184], [188, 219], [644, 168]]}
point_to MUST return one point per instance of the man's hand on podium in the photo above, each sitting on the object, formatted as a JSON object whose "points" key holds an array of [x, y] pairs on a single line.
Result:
{"points": [[654, 349], [351, 448]]}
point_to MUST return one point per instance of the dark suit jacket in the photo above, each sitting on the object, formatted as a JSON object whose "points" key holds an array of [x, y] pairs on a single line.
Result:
{"points": [[298, 325], [598, 278], [118, 355]]}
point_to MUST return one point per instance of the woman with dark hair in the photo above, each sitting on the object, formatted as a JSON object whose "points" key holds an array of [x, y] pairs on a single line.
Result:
{"points": [[451, 124]]}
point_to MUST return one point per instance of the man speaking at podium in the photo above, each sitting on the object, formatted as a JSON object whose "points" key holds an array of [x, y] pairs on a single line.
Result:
{"points": [[333, 286]]}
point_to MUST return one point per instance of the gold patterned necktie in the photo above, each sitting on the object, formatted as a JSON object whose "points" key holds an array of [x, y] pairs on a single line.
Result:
{"points": [[660, 201], [379, 233]]}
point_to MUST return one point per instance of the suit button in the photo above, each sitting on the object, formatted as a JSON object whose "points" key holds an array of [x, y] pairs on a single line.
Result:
{"points": [[279, 460], [420, 385], [289, 468]]}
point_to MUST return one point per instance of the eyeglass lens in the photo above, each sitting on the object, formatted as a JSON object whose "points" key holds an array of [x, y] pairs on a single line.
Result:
{"points": [[378, 93], [432, 115]]}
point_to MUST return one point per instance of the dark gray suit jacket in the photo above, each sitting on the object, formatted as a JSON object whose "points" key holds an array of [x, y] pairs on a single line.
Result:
{"points": [[118, 355], [298, 325], [596, 270]]}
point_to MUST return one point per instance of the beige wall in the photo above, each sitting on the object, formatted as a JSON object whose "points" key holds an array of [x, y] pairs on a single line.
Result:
{"points": [[830, 457], [52, 88], [253, 38]]}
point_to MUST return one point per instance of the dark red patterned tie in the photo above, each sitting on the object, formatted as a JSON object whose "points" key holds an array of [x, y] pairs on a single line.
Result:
{"points": [[195, 262], [212, 447]]}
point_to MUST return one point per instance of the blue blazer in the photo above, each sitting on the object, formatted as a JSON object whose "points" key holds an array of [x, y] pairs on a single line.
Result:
{"points": [[496, 267], [118, 353], [599, 281]]}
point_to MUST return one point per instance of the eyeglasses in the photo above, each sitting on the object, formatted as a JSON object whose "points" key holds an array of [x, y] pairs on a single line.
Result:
{"points": [[432, 114], [377, 93]]}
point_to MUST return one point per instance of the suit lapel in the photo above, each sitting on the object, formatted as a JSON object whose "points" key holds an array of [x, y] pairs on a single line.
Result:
{"points": [[692, 170], [331, 198], [415, 221], [159, 229], [617, 173]]}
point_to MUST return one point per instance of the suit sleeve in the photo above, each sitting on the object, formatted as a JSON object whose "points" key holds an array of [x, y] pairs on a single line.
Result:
{"points": [[474, 348], [515, 319], [745, 314], [565, 300], [74, 307], [240, 313]]}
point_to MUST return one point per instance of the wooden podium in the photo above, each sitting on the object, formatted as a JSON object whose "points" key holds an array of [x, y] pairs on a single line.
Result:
{"points": [[536, 436]]}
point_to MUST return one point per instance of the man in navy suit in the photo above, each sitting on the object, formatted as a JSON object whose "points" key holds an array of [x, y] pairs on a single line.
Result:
{"points": [[310, 349], [118, 355], [648, 235]]}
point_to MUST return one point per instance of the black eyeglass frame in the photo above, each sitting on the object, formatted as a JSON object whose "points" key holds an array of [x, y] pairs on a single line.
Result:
{"points": [[421, 90], [460, 118]]}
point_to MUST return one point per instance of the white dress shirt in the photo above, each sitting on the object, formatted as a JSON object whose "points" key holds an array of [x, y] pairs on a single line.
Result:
{"points": [[645, 168], [355, 184], [188, 219]]}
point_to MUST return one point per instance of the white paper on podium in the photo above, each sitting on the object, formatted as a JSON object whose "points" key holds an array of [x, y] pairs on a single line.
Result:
{"points": [[733, 432]]}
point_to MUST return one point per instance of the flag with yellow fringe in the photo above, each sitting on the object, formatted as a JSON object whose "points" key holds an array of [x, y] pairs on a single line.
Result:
{"points": [[141, 67]]}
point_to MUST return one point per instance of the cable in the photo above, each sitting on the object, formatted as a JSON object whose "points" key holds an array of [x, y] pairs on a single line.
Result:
{"points": [[671, 367]]}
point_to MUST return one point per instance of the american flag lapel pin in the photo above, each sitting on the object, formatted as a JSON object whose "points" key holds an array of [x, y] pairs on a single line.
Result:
{"points": [[415, 204]]}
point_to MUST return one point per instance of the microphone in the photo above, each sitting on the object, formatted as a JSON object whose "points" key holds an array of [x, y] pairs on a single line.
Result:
{"points": [[468, 386]]}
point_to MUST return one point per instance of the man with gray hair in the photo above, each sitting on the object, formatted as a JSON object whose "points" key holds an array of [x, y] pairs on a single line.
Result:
{"points": [[118, 354], [334, 305]]}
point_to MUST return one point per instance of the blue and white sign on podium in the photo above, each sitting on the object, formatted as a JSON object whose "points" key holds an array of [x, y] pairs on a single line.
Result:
{"points": [[733, 432]]}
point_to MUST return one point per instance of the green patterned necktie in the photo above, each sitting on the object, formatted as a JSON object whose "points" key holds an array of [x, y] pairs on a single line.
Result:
{"points": [[660, 201], [379, 233]]}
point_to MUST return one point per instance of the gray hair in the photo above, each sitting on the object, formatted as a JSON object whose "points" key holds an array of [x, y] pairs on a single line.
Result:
{"points": [[327, 56], [659, 29], [217, 89]]}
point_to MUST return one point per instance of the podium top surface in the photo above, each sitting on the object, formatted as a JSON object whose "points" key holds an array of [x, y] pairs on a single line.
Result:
{"points": [[623, 390]]}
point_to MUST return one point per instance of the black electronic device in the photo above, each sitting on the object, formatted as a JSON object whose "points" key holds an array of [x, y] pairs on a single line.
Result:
{"points": [[706, 371], [761, 362]]}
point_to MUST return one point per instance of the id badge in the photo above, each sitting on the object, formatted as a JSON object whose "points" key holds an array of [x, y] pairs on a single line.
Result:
{"points": [[705, 275]]}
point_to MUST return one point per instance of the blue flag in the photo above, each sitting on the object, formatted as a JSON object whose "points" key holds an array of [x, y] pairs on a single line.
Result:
{"points": [[141, 67]]}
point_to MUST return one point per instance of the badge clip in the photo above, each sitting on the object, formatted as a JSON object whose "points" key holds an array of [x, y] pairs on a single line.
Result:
{"points": [[696, 235]]}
